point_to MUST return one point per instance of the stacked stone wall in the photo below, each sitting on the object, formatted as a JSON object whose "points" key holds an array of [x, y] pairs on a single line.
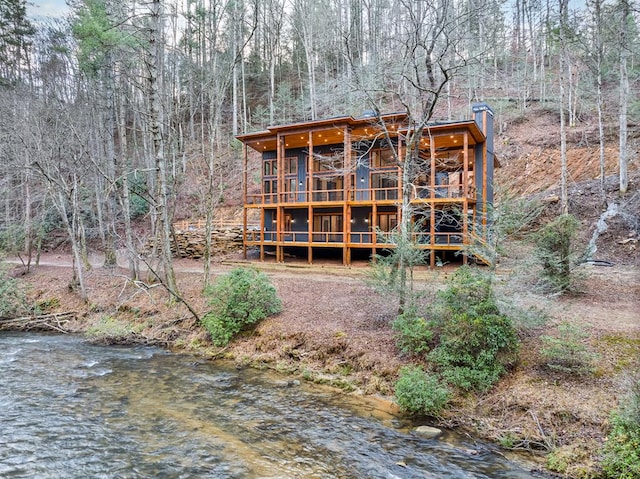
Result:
{"points": [[190, 242]]}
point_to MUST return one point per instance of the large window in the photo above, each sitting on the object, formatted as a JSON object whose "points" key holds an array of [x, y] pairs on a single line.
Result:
{"points": [[385, 186], [327, 228], [291, 165], [270, 190], [328, 188], [387, 221], [270, 168], [332, 161], [382, 158], [291, 188]]}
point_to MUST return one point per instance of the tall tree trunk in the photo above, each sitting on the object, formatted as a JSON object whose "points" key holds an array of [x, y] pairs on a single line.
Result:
{"points": [[624, 95], [599, 100], [157, 135], [110, 258], [28, 213], [564, 196], [73, 228], [125, 196]]}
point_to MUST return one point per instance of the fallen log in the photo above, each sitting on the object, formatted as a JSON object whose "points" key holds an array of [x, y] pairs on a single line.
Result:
{"points": [[44, 322]]}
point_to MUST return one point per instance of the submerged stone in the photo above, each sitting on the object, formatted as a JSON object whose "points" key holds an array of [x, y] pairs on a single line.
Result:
{"points": [[428, 432]]}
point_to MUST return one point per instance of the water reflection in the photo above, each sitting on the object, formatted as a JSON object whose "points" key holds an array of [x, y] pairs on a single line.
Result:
{"points": [[69, 409]]}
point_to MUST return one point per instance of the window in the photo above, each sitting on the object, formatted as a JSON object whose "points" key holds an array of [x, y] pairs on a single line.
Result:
{"points": [[327, 228], [270, 190], [270, 168], [387, 221], [382, 158], [291, 185], [328, 188], [291, 188], [328, 162], [291, 165], [386, 186]]}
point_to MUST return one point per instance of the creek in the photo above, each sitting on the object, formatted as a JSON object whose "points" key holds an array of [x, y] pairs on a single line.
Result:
{"points": [[70, 409]]}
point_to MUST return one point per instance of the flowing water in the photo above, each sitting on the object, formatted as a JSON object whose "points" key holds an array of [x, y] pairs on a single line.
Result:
{"points": [[69, 409]]}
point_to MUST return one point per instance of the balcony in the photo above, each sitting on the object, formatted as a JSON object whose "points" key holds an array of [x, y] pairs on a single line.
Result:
{"points": [[365, 238], [442, 192]]}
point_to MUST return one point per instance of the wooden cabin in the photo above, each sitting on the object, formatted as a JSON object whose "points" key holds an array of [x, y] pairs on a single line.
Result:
{"points": [[334, 186]]}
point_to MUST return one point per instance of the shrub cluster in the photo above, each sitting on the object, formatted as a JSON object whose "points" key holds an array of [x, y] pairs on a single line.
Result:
{"points": [[622, 449], [464, 337], [565, 352], [238, 301], [421, 392], [12, 297], [557, 252]]}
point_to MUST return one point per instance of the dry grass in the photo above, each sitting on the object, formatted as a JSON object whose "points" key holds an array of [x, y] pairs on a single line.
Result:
{"points": [[334, 329]]}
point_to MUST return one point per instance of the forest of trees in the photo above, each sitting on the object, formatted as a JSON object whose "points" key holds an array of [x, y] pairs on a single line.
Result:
{"points": [[116, 115]]}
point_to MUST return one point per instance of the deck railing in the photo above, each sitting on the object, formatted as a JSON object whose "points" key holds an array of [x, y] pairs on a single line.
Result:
{"points": [[366, 194], [379, 239]]}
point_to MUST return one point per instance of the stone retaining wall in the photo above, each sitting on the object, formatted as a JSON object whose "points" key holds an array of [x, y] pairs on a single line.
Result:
{"points": [[190, 243]]}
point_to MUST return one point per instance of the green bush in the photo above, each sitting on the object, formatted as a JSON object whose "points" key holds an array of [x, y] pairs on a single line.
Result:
{"points": [[418, 392], [468, 289], [414, 333], [12, 239], [12, 297], [139, 204], [556, 252], [463, 332], [474, 349], [565, 352], [239, 300], [622, 450]]}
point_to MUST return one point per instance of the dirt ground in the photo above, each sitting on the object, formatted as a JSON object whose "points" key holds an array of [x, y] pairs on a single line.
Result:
{"points": [[335, 330]]}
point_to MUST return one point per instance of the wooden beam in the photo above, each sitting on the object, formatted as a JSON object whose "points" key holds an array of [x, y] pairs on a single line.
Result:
{"points": [[346, 191], [373, 226], [465, 202], [244, 201], [262, 234], [432, 167]]}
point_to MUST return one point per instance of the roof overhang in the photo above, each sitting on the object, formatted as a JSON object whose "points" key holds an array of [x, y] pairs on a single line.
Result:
{"points": [[332, 131]]}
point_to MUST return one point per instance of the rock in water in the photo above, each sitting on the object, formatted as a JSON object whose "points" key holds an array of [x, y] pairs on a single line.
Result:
{"points": [[428, 432]]}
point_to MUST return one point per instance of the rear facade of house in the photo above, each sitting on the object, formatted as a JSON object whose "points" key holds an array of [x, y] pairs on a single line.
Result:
{"points": [[334, 186]]}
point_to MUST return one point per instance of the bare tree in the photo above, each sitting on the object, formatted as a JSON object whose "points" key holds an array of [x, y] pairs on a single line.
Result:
{"points": [[153, 62], [595, 54], [623, 160], [429, 56], [62, 160], [563, 56]]}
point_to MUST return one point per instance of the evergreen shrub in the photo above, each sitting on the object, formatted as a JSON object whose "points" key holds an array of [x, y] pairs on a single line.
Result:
{"points": [[566, 352], [238, 301], [414, 333], [622, 449], [12, 297], [556, 252], [462, 333], [418, 392], [474, 349]]}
